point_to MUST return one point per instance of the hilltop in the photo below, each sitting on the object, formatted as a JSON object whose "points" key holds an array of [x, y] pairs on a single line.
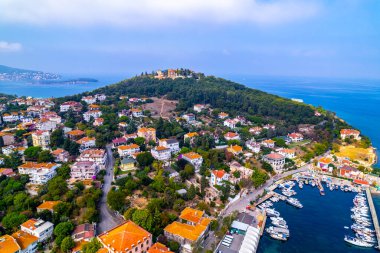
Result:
{"points": [[15, 74]]}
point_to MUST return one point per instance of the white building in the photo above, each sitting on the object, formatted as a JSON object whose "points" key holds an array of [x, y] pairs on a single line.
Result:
{"points": [[199, 107], [161, 153], [100, 97], [43, 230], [189, 117], [295, 137], [86, 143], [98, 156], [171, 144], [277, 161], [11, 117], [253, 146], [232, 136], [137, 113], [193, 158], [218, 177], [84, 170], [39, 173], [92, 114], [89, 99], [70, 105], [288, 153], [128, 150], [231, 123]]}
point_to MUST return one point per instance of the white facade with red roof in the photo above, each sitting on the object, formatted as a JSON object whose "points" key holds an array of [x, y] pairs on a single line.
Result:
{"points": [[218, 177], [295, 137]]}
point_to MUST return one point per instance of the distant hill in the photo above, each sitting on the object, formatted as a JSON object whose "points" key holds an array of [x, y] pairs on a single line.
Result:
{"points": [[7, 69], [15, 74]]}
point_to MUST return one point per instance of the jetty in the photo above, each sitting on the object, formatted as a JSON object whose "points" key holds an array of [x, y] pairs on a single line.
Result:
{"points": [[374, 216]]}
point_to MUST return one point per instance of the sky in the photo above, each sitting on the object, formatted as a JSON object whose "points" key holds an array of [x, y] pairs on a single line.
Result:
{"points": [[316, 38]]}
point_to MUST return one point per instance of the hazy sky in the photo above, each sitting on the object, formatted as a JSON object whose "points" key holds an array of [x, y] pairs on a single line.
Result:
{"points": [[339, 38]]}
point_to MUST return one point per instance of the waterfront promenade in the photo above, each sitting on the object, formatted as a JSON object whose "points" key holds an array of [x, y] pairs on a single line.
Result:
{"points": [[374, 216]]}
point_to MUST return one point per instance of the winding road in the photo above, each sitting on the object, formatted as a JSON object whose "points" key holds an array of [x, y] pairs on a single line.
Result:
{"points": [[108, 218]]}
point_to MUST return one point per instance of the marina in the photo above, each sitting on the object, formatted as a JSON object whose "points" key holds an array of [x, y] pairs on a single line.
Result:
{"points": [[329, 222], [374, 216]]}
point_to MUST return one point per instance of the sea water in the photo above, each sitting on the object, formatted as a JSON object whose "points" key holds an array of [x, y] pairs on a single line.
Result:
{"points": [[318, 226]]}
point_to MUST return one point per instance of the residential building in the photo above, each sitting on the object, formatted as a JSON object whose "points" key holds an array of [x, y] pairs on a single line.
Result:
{"points": [[149, 134], [98, 156], [84, 232], [100, 97], [39, 173], [118, 142], [253, 146], [245, 173], [190, 136], [277, 161], [232, 136], [46, 125], [8, 244], [128, 164], [94, 114], [235, 149], [86, 143], [161, 153], [348, 133], [231, 123], [7, 172], [190, 230], [70, 105], [159, 248], [193, 158], [323, 164], [223, 115], [75, 134], [137, 113], [189, 117], [11, 117], [61, 155], [288, 153], [41, 138], [349, 172], [295, 137], [89, 99], [52, 116], [199, 107], [218, 177], [171, 144], [82, 170], [98, 122], [128, 150], [256, 130], [47, 205], [28, 243], [268, 143], [41, 229], [269, 127], [127, 237], [8, 138]]}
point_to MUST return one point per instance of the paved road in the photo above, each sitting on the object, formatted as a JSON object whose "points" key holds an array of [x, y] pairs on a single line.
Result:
{"points": [[241, 203], [108, 218]]}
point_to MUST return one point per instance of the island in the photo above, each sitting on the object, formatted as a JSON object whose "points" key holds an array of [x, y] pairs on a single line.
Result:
{"points": [[182, 161]]}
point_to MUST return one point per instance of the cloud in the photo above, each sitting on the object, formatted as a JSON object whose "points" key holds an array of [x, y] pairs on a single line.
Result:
{"points": [[10, 46], [154, 13]]}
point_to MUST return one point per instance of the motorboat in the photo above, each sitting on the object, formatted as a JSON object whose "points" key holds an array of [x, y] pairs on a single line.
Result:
{"points": [[357, 242]]}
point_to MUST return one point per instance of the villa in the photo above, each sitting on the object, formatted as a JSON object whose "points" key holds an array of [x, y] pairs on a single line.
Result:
{"points": [[348, 133]]}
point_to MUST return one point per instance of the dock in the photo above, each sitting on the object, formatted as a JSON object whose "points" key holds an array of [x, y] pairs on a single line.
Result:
{"points": [[374, 216]]}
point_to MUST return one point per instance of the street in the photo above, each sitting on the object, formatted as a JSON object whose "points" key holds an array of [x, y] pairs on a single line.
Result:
{"points": [[108, 218]]}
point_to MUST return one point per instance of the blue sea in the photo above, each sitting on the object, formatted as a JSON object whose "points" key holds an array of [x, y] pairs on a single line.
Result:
{"points": [[355, 101], [318, 226]]}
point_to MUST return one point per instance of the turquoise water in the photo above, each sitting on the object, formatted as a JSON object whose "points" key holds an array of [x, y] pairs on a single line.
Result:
{"points": [[318, 226]]}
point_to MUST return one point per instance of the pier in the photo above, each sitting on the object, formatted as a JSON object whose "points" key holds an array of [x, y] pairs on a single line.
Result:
{"points": [[374, 216]]}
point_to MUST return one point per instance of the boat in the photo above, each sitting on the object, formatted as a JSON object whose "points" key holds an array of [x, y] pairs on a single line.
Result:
{"points": [[357, 242], [322, 192], [294, 202], [278, 236], [279, 223], [366, 238], [272, 212]]}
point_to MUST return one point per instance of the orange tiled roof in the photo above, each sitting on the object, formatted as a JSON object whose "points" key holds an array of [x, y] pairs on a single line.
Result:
{"points": [[192, 155], [288, 151], [58, 151], [159, 248], [126, 147], [218, 173], [34, 165], [102, 250], [236, 148], [8, 244], [48, 205], [230, 135], [349, 132], [191, 214], [76, 132], [24, 239], [269, 141], [325, 160], [85, 139], [124, 236], [161, 148], [191, 135], [189, 232], [144, 129]]}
